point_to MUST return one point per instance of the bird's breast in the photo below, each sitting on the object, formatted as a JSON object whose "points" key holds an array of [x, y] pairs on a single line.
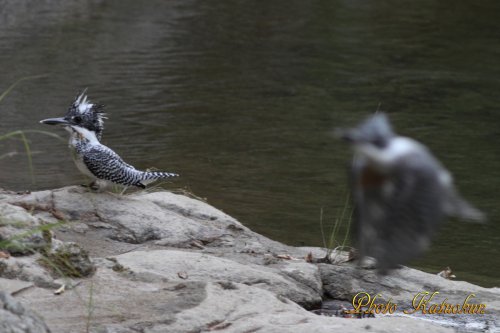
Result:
{"points": [[371, 178]]}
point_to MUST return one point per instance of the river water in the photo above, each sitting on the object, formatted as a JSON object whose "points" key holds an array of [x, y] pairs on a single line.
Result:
{"points": [[241, 98]]}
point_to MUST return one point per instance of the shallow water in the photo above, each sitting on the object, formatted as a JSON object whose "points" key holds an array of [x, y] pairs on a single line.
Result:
{"points": [[241, 98]]}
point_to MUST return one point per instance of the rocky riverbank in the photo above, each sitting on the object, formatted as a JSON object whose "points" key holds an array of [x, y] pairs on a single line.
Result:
{"points": [[162, 262]]}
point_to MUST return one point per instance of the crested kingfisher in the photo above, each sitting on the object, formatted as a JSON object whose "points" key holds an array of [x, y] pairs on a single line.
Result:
{"points": [[401, 194], [85, 123]]}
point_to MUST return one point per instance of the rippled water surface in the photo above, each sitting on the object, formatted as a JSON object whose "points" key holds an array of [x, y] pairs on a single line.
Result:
{"points": [[241, 97]]}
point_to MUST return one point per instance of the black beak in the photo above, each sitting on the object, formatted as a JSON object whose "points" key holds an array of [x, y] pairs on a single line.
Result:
{"points": [[55, 121]]}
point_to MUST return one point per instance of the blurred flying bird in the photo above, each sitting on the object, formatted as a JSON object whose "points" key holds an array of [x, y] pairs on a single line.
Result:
{"points": [[401, 194]]}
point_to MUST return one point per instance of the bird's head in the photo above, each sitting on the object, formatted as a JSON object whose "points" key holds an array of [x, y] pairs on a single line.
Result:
{"points": [[82, 113], [375, 132]]}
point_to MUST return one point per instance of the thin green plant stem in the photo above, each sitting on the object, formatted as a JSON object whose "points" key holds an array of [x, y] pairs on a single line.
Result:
{"points": [[45, 227], [63, 267], [55, 136], [331, 240], [10, 134], [27, 147], [30, 159], [90, 306], [21, 133], [346, 205], [321, 227], [338, 223], [13, 85], [342, 246], [348, 230]]}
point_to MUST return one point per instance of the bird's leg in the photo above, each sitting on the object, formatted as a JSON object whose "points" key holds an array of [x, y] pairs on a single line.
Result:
{"points": [[94, 186]]}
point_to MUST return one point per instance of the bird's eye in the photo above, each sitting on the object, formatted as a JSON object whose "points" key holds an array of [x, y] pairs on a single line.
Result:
{"points": [[77, 119]]}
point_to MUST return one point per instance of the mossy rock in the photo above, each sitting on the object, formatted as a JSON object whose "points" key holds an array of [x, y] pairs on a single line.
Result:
{"points": [[26, 245], [68, 260]]}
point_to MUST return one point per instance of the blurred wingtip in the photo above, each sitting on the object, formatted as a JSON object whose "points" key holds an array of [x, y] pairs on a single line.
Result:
{"points": [[470, 214], [460, 208], [476, 216]]}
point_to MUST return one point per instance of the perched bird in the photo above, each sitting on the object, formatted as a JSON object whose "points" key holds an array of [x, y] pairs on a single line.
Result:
{"points": [[85, 122], [401, 194]]}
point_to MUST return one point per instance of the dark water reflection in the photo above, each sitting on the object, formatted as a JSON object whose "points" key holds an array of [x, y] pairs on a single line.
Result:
{"points": [[240, 98]]}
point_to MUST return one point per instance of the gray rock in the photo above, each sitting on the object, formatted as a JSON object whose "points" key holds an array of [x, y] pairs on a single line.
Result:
{"points": [[117, 301], [169, 263], [26, 269], [15, 318], [163, 218], [13, 286], [68, 260], [138, 218], [404, 287], [20, 232], [298, 282]]}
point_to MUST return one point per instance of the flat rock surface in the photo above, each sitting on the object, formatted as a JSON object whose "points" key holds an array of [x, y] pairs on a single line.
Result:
{"points": [[122, 302], [12, 286], [162, 262]]}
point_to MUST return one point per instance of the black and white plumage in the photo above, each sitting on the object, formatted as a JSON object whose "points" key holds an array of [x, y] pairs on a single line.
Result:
{"points": [[84, 121], [100, 162], [401, 194], [85, 114]]}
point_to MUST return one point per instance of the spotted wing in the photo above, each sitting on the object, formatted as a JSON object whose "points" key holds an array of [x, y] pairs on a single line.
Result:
{"points": [[106, 164]]}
